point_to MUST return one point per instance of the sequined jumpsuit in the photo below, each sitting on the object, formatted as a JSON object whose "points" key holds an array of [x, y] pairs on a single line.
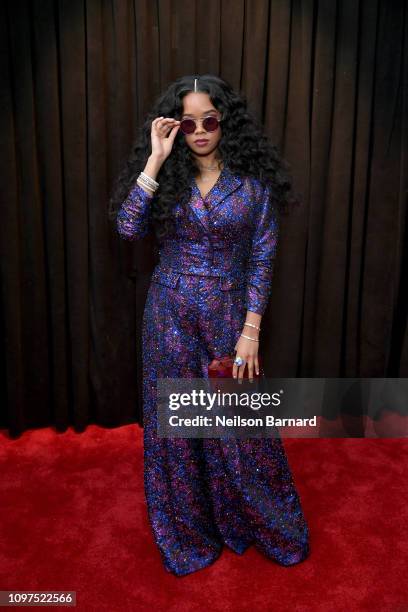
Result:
{"points": [[204, 493]]}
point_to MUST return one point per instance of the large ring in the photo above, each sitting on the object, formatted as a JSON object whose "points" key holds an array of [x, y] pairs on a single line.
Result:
{"points": [[239, 361]]}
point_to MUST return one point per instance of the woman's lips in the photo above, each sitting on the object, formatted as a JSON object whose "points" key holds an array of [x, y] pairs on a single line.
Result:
{"points": [[201, 143]]}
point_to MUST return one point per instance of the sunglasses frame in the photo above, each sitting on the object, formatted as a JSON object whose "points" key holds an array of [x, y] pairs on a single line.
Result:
{"points": [[195, 124]]}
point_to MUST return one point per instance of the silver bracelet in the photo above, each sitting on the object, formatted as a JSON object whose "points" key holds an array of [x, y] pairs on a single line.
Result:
{"points": [[143, 182], [143, 185], [249, 338], [252, 325], [148, 179]]}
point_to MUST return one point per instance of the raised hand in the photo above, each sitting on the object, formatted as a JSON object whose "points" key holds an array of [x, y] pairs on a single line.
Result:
{"points": [[163, 133]]}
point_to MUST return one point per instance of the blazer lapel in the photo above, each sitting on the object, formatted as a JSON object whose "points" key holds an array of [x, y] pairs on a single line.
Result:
{"points": [[226, 184]]}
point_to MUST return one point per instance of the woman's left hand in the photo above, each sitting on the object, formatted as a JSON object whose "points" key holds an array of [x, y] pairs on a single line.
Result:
{"points": [[247, 350]]}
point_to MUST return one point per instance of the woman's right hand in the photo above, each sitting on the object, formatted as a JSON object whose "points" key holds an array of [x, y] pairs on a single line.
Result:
{"points": [[163, 133]]}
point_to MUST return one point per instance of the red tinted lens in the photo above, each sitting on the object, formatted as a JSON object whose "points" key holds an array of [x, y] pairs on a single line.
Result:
{"points": [[210, 124], [187, 126]]}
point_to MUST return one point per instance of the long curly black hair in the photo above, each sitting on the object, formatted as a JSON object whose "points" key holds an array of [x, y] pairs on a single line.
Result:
{"points": [[243, 147]]}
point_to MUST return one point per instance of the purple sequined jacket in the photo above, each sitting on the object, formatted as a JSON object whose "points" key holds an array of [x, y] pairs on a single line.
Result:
{"points": [[231, 233]]}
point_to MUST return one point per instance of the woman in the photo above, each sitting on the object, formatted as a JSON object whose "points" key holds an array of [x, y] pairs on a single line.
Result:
{"points": [[205, 178]]}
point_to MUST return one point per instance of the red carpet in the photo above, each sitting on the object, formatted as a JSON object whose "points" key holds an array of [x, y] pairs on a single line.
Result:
{"points": [[73, 517]]}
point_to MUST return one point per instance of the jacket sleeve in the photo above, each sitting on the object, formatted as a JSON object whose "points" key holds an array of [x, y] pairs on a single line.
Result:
{"points": [[262, 254], [132, 220]]}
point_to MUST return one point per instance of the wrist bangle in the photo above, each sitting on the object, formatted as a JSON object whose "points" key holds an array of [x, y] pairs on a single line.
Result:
{"points": [[141, 184], [252, 325], [249, 338], [148, 179]]}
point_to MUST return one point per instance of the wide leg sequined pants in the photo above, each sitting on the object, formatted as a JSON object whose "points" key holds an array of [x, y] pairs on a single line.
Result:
{"points": [[204, 493]]}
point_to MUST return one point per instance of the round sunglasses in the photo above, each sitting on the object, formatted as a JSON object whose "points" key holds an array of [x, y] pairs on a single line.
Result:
{"points": [[210, 124]]}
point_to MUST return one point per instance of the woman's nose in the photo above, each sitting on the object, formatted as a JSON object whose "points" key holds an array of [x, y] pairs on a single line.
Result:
{"points": [[199, 127]]}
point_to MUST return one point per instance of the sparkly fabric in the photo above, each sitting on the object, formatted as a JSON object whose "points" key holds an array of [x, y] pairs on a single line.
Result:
{"points": [[204, 493], [231, 233]]}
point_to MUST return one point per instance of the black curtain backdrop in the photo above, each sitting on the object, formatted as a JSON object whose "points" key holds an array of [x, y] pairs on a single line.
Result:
{"points": [[329, 81]]}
